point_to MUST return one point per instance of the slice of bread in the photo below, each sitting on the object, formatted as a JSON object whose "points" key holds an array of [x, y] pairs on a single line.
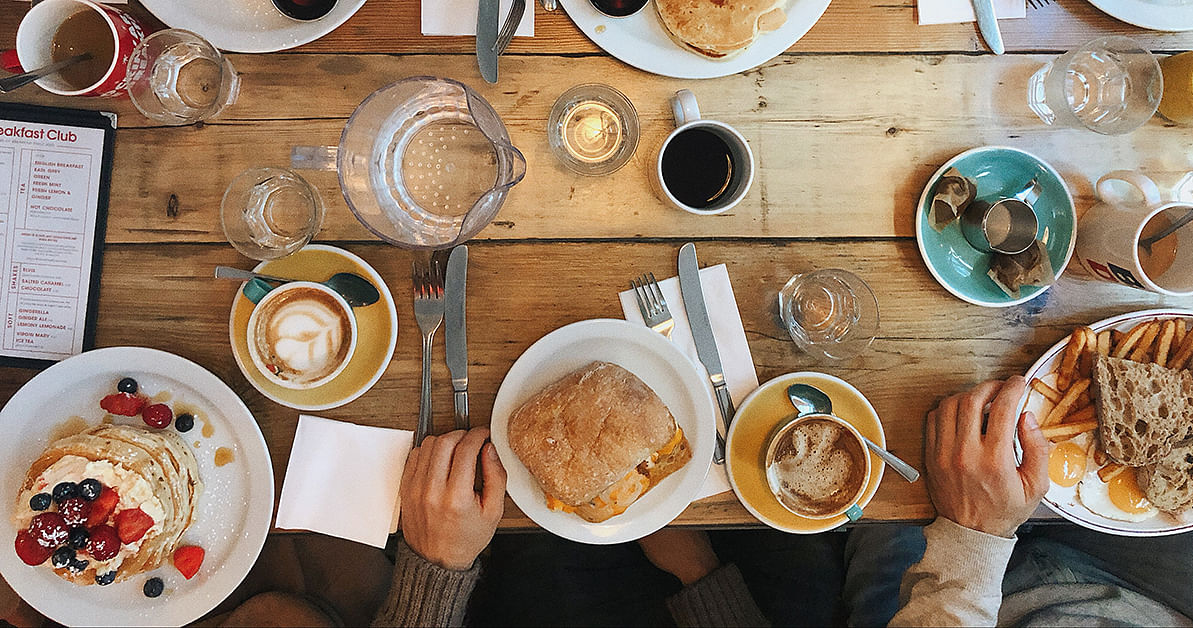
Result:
{"points": [[1143, 409], [1169, 483]]}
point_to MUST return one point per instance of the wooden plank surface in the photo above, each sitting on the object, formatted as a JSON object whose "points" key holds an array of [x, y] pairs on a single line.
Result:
{"points": [[930, 344], [844, 144]]}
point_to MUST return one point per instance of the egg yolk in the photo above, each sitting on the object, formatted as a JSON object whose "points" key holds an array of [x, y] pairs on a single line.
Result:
{"points": [[1066, 464], [1126, 495]]}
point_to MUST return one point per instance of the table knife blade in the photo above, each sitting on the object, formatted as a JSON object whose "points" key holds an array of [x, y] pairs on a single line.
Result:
{"points": [[486, 38], [706, 344], [988, 25], [455, 331]]}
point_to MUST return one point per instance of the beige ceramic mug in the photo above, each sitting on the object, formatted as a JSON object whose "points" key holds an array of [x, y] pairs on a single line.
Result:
{"points": [[801, 471]]}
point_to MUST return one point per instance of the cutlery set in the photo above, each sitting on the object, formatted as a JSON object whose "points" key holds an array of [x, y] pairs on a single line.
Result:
{"points": [[431, 307], [490, 43]]}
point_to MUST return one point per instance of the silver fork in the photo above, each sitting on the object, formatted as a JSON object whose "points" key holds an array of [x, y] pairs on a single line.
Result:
{"points": [[1038, 4], [652, 305], [428, 312], [517, 8]]}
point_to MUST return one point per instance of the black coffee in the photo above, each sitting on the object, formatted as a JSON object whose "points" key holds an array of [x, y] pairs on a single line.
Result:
{"points": [[305, 9], [698, 168]]}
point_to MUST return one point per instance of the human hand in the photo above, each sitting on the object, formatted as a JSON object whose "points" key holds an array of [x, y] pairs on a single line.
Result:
{"points": [[443, 517], [685, 554], [972, 476]]}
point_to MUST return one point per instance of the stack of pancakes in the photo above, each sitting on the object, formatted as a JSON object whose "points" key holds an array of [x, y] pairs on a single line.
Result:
{"points": [[719, 28], [160, 458]]}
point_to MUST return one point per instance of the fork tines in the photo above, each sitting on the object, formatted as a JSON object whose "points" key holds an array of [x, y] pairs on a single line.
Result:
{"points": [[1038, 4], [652, 305]]}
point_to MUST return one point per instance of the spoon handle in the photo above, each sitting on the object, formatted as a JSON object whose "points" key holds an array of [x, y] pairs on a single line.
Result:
{"points": [[9, 83], [1180, 222], [227, 272], [902, 468]]}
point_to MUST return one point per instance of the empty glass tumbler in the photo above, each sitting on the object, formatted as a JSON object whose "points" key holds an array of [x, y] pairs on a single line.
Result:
{"points": [[829, 313], [176, 77]]}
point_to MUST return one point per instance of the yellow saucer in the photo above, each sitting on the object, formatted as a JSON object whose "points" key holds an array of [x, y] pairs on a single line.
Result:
{"points": [[750, 431], [377, 330]]}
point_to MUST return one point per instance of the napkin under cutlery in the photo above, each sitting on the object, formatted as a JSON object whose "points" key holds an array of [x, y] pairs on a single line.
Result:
{"points": [[343, 480], [727, 328], [458, 17], [955, 11]]}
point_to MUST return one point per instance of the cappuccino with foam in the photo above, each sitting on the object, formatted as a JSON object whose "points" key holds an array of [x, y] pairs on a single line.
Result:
{"points": [[301, 335], [817, 467]]}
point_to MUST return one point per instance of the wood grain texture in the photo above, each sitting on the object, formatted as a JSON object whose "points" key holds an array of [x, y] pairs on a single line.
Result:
{"points": [[930, 344], [843, 144]]}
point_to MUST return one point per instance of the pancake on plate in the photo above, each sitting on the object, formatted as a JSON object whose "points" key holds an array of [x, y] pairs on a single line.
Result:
{"points": [[719, 28]]}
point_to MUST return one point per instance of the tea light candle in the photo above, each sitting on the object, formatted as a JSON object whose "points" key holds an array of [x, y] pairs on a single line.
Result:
{"points": [[592, 131]]}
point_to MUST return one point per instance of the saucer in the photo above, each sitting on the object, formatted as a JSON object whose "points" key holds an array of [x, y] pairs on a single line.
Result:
{"points": [[759, 414], [998, 171], [377, 326]]}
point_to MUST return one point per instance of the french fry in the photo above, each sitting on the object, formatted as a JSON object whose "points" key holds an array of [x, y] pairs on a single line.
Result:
{"points": [[1128, 341], [1089, 349], [1142, 350], [1068, 361], [1084, 399], [1100, 457], [1068, 429], [1179, 337], [1111, 471], [1081, 415], [1164, 342], [1104, 342], [1050, 393], [1183, 354], [1066, 402]]}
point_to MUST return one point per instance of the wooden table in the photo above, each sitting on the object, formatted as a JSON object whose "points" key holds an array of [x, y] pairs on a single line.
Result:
{"points": [[847, 126]]}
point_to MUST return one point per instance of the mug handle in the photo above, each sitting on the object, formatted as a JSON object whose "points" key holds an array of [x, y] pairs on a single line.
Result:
{"points": [[255, 289], [1143, 183], [854, 513], [314, 157], [684, 108]]}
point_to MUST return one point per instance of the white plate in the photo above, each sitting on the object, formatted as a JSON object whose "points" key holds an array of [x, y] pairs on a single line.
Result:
{"points": [[1063, 500], [656, 362], [247, 25], [1160, 15], [641, 40], [234, 509]]}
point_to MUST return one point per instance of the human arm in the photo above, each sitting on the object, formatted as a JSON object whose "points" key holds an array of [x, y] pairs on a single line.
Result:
{"points": [[982, 495], [713, 594], [446, 523]]}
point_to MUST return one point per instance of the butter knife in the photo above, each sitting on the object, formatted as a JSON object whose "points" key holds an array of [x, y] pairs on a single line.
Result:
{"points": [[486, 38], [706, 344], [455, 331], [988, 25]]}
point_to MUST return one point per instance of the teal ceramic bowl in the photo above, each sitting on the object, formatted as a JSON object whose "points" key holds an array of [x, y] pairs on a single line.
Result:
{"points": [[998, 171]]}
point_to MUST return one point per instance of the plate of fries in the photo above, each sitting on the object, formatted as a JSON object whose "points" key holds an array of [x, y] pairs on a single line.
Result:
{"points": [[1060, 397]]}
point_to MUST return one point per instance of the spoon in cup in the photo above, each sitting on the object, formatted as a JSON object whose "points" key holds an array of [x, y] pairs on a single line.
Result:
{"points": [[356, 290], [17, 81]]}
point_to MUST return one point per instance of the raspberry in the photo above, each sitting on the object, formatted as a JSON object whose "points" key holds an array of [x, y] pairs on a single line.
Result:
{"points": [[123, 404], [104, 543], [50, 530], [157, 415], [75, 511]]}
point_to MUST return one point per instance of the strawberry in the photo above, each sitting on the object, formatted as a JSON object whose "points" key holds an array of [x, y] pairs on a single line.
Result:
{"points": [[30, 551], [131, 525], [157, 415], [124, 404], [75, 511], [104, 543], [50, 530], [188, 559], [102, 507]]}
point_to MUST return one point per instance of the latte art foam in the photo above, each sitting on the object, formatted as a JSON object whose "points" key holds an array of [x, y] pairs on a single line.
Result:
{"points": [[819, 467], [303, 335]]}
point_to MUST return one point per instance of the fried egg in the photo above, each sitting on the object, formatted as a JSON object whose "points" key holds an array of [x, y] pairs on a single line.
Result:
{"points": [[1120, 499], [1069, 459]]}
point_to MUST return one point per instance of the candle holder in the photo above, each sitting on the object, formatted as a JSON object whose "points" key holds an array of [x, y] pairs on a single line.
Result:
{"points": [[593, 129]]}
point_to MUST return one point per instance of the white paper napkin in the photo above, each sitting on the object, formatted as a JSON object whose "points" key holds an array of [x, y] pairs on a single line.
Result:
{"points": [[727, 329], [954, 11], [343, 480], [458, 17]]}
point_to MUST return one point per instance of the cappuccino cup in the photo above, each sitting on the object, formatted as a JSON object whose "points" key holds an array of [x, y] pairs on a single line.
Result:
{"points": [[817, 466], [704, 166], [300, 335]]}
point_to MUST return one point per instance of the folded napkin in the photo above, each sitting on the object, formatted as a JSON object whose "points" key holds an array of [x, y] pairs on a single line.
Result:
{"points": [[954, 11], [458, 17], [343, 480], [727, 329]]}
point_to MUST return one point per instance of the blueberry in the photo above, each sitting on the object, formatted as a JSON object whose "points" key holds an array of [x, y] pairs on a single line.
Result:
{"points": [[154, 587], [40, 501], [105, 579], [77, 566], [128, 385], [62, 557], [184, 422], [90, 488], [79, 537], [65, 490]]}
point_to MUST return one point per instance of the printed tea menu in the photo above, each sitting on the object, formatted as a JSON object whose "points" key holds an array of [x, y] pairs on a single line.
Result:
{"points": [[54, 173]]}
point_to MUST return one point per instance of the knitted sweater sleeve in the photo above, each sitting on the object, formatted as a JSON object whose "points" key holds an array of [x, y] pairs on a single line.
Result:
{"points": [[425, 594], [719, 599]]}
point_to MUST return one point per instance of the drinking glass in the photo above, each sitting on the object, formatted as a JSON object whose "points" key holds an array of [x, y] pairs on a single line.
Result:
{"points": [[175, 77], [829, 313], [593, 129], [1177, 103], [1111, 85], [270, 212]]}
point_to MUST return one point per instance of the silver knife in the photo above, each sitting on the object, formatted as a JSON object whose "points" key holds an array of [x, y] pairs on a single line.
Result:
{"points": [[706, 345], [486, 38], [988, 24], [455, 331]]}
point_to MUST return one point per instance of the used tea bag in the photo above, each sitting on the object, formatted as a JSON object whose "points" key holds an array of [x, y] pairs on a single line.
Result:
{"points": [[1032, 267], [954, 193]]}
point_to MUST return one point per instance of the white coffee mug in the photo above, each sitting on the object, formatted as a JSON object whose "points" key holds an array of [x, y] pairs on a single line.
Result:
{"points": [[264, 299], [687, 117], [1109, 234]]}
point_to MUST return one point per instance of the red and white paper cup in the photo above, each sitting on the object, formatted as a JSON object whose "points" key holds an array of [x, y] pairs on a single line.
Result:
{"points": [[37, 31]]}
